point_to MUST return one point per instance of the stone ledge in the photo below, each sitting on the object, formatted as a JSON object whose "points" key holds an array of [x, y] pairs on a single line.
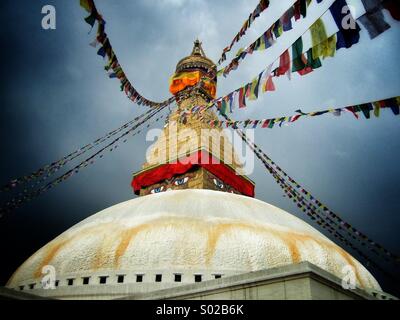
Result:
{"points": [[254, 279]]}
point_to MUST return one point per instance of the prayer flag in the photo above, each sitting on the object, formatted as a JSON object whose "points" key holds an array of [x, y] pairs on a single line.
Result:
{"points": [[321, 44], [346, 37], [91, 19], [284, 64], [87, 5], [101, 52], [242, 98], [373, 19], [297, 55]]}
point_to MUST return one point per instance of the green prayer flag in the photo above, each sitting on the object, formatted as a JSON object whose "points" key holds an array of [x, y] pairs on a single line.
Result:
{"points": [[297, 52], [271, 124], [91, 19], [311, 62], [224, 107]]}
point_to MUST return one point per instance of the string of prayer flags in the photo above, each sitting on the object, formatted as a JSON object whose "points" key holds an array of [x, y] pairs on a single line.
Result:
{"points": [[365, 109], [373, 19], [113, 68], [26, 197], [322, 46], [46, 171], [316, 210], [307, 202], [262, 5], [334, 226], [266, 40], [299, 62]]}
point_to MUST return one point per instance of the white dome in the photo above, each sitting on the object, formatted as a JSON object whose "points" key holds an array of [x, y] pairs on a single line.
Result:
{"points": [[187, 232]]}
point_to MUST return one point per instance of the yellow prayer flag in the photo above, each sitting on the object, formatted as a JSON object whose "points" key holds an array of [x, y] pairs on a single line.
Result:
{"points": [[377, 109], [321, 45], [87, 5]]}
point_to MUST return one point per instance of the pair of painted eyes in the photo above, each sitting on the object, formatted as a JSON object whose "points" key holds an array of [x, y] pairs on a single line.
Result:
{"points": [[177, 182]]}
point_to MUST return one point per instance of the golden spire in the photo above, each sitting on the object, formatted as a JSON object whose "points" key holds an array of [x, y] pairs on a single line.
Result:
{"points": [[198, 49], [197, 59]]}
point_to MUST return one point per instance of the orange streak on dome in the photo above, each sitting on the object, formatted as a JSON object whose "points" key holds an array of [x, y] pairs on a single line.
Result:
{"points": [[56, 245], [127, 237], [213, 232], [51, 253]]}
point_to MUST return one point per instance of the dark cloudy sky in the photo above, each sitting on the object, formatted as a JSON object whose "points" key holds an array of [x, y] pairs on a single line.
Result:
{"points": [[56, 97]]}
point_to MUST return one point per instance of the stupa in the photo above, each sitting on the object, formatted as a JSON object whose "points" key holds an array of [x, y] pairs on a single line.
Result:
{"points": [[195, 220]]}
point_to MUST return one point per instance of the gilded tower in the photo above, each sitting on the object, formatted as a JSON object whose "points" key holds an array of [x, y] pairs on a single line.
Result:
{"points": [[190, 154]]}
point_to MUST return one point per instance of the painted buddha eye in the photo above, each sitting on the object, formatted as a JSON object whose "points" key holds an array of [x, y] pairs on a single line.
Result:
{"points": [[181, 181], [157, 190], [218, 183]]}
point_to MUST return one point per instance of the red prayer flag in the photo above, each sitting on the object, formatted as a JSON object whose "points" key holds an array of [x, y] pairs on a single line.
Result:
{"points": [[242, 101], [305, 71], [295, 118], [269, 85], [284, 64], [297, 13], [265, 124], [351, 109]]}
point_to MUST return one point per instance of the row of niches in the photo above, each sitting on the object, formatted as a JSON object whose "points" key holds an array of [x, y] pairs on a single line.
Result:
{"points": [[121, 279]]}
